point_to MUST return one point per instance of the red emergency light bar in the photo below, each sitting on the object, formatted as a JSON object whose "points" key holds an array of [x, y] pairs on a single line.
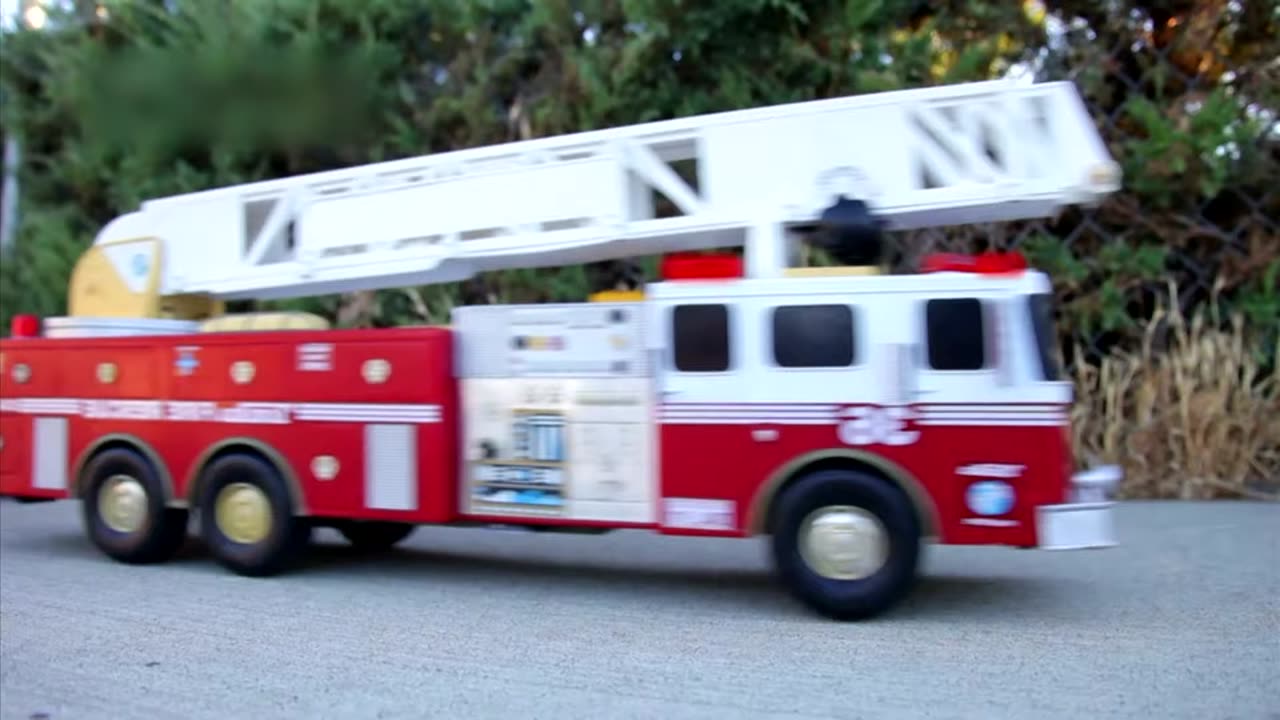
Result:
{"points": [[987, 263], [701, 266]]}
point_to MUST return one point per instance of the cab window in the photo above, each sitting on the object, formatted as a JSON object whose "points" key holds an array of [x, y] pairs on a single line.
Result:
{"points": [[1040, 306], [813, 336], [700, 338], [956, 332]]}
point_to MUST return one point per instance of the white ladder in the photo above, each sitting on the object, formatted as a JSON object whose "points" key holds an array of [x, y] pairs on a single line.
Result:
{"points": [[976, 152]]}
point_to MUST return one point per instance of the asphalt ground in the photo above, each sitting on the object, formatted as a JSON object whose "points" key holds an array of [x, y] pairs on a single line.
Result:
{"points": [[1181, 621]]}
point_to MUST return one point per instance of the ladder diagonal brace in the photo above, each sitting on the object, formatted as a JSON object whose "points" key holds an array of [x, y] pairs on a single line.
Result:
{"points": [[272, 232], [646, 163], [979, 166]]}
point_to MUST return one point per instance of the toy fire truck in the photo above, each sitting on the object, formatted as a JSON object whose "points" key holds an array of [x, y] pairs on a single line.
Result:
{"points": [[846, 413]]}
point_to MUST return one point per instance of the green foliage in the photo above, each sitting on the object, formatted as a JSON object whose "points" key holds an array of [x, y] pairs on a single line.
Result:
{"points": [[1260, 305], [1189, 152], [1100, 286]]}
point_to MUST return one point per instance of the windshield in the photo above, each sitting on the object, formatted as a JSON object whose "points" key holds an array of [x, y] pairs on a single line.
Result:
{"points": [[1040, 308]]}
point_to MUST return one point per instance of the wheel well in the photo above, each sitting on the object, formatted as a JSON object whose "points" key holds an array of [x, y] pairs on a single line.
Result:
{"points": [[253, 448], [926, 512], [122, 442]]}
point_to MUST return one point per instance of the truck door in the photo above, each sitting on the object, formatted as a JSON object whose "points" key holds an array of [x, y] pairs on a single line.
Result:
{"points": [[981, 351], [704, 423], [991, 431]]}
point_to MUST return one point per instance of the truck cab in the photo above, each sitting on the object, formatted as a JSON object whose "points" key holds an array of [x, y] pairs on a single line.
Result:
{"points": [[949, 377]]}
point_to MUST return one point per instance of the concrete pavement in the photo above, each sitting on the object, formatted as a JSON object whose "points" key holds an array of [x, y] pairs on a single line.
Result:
{"points": [[1182, 621]]}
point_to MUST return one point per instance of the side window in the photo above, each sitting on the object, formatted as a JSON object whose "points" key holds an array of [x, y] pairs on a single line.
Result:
{"points": [[700, 337], [813, 336], [957, 334], [1040, 306]]}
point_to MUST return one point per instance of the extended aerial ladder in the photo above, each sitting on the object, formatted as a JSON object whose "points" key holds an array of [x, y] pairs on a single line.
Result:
{"points": [[977, 152]]}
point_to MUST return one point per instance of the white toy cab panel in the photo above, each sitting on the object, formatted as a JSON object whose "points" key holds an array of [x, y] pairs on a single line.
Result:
{"points": [[691, 333], [984, 344]]}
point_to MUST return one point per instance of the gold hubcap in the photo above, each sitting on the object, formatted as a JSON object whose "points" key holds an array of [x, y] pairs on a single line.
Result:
{"points": [[843, 542], [243, 513], [122, 503]]}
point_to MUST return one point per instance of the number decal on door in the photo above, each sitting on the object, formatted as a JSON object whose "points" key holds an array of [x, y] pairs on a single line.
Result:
{"points": [[868, 425]]}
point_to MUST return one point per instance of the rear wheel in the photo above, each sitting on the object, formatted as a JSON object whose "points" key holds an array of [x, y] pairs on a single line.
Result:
{"points": [[375, 534], [247, 516], [124, 509], [846, 543]]}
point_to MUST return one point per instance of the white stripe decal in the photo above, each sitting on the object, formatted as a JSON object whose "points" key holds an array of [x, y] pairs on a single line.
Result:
{"points": [[424, 418], [827, 417], [250, 413], [992, 418], [989, 522], [744, 421], [995, 423], [360, 407], [305, 415], [324, 414], [948, 422], [760, 407], [1011, 409], [748, 413], [935, 415], [50, 406]]}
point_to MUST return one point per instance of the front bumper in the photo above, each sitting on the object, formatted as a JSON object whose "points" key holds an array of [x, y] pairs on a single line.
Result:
{"points": [[1087, 521]]}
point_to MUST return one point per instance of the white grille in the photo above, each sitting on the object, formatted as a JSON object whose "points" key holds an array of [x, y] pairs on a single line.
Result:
{"points": [[49, 469], [391, 467]]}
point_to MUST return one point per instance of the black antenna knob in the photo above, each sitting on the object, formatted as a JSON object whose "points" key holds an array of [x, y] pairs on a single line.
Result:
{"points": [[851, 233]]}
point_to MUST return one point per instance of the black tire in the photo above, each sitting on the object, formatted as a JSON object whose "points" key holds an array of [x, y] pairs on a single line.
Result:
{"points": [[373, 535], [280, 548], [838, 598], [162, 530]]}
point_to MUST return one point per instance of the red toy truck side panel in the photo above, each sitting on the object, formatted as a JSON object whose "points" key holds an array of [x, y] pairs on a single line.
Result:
{"points": [[15, 464], [298, 395]]}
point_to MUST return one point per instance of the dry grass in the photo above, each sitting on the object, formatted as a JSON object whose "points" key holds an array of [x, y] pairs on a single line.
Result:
{"points": [[1194, 419]]}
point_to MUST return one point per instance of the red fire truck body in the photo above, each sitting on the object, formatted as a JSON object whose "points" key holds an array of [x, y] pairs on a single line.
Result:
{"points": [[846, 413], [174, 399]]}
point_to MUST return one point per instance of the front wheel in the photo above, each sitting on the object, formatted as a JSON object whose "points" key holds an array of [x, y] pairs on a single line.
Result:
{"points": [[846, 543]]}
